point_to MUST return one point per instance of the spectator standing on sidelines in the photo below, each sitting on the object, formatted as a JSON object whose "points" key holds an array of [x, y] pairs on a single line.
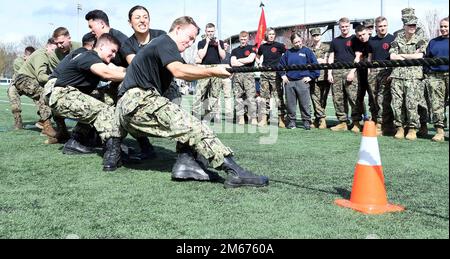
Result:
{"points": [[298, 83], [407, 85], [345, 83], [379, 77], [437, 79], [321, 87], [244, 84], [271, 84], [211, 52]]}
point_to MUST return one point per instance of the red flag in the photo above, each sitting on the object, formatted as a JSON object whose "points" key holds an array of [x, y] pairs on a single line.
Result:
{"points": [[260, 34]]}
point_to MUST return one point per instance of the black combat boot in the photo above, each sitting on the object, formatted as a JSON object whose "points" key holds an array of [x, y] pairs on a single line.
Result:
{"points": [[147, 149], [186, 167], [75, 145], [239, 177], [112, 157]]}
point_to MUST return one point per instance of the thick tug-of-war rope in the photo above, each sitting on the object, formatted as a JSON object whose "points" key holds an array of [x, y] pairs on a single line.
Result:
{"points": [[430, 62]]}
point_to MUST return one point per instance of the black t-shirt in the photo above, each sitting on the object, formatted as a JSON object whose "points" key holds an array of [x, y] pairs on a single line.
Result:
{"points": [[132, 46], [56, 72], [342, 48], [380, 47], [77, 72], [119, 60], [272, 53], [243, 52], [212, 55], [359, 46], [148, 69]]}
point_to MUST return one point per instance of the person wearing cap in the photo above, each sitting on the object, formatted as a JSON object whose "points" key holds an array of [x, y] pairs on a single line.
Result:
{"points": [[407, 86], [379, 77], [370, 26], [321, 87], [437, 79], [407, 12], [425, 103]]}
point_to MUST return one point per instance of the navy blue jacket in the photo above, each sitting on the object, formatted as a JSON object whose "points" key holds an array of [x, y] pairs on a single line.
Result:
{"points": [[301, 56]]}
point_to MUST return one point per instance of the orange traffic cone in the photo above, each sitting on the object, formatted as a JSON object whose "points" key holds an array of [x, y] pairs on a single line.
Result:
{"points": [[369, 192]]}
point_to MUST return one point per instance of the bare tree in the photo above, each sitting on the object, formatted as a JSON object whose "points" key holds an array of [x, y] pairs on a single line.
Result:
{"points": [[8, 52], [431, 25], [33, 41]]}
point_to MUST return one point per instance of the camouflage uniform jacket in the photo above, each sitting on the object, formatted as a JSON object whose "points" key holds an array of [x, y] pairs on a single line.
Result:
{"points": [[322, 52], [37, 66], [417, 44]]}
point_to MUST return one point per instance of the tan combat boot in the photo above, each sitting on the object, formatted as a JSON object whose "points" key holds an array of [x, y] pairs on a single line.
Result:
{"points": [[400, 133], [39, 125], [51, 141], [356, 128], [263, 121], [281, 123], [48, 129], [323, 124], [440, 135], [340, 127], [412, 134], [18, 124], [241, 120], [254, 122]]}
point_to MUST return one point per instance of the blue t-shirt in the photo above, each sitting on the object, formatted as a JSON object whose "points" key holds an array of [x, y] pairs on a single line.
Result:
{"points": [[301, 56], [343, 49], [379, 47], [437, 48]]}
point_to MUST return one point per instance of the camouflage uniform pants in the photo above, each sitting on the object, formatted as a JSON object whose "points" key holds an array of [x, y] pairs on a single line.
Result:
{"points": [[207, 94], [245, 94], [437, 84], [319, 96], [272, 87], [228, 98], [26, 85], [345, 93], [69, 102], [147, 112], [14, 98], [406, 97], [379, 77]]}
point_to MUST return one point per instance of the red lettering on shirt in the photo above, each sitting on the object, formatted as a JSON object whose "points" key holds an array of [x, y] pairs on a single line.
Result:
{"points": [[386, 46], [349, 43], [247, 53], [274, 50]]}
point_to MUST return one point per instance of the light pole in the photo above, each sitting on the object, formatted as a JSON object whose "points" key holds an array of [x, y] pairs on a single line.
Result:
{"points": [[219, 19], [382, 8], [79, 8]]}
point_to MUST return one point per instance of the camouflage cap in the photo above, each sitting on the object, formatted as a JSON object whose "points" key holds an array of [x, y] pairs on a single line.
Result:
{"points": [[368, 23], [410, 20], [408, 12], [315, 31]]}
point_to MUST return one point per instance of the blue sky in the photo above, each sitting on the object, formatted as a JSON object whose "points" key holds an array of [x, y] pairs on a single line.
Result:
{"points": [[40, 17]]}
